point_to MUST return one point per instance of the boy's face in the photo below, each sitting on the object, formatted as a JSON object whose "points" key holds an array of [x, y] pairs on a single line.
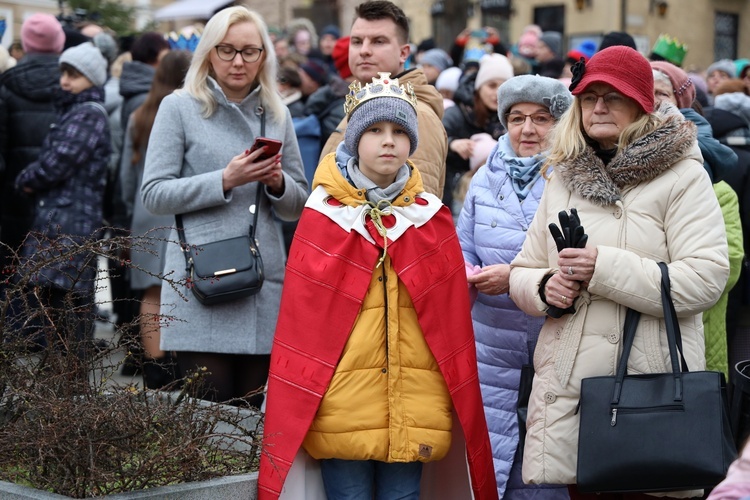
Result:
{"points": [[74, 82], [383, 149]]}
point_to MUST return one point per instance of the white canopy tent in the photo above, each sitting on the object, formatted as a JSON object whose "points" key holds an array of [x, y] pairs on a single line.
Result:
{"points": [[190, 9]]}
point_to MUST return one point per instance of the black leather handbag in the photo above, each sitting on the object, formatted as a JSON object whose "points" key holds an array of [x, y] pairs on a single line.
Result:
{"points": [[224, 270], [654, 432]]}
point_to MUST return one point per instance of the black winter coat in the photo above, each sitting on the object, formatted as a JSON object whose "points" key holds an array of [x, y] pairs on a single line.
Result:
{"points": [[26, 113]]}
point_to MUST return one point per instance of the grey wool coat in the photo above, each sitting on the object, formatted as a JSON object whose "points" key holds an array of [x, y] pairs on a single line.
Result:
{"points": [[183, 174]]}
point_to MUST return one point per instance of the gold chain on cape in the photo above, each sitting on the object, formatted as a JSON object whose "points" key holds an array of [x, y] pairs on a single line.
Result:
{"points": [[376, 213]]}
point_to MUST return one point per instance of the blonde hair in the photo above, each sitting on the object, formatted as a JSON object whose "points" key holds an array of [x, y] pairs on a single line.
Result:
{"points": [[196, 83], [567, 139]]}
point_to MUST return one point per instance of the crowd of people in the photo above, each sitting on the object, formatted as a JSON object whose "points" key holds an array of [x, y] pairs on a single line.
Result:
{"points": [[412, 290]]}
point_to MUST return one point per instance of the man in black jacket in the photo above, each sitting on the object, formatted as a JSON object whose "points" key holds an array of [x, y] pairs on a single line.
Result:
{"points": [[26, 114]]}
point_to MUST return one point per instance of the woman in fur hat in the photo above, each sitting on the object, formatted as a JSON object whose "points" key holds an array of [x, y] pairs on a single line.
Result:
{"points": [[499, 206], [634, 173]]}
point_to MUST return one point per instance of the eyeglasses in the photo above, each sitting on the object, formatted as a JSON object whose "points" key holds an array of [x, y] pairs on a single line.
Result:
{"points": [[518, 119], [228, 53], [613, 100]]}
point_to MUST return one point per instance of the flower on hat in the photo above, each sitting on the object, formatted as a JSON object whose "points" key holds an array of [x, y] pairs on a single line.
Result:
{"points": [[578, 70], [557, 104]]}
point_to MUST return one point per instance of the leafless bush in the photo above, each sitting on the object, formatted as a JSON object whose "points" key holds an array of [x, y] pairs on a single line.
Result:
{"points": [[66, 427]]}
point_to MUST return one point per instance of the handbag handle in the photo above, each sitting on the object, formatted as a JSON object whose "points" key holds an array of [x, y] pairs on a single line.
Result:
{"points": [[258, 193], [674, 339]]}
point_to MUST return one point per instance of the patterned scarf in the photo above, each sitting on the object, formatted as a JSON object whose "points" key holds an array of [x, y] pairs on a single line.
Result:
{"points": [[523, 171]]}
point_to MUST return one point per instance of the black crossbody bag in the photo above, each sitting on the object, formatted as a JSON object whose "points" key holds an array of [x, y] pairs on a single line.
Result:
{"points": [[225, 270]]}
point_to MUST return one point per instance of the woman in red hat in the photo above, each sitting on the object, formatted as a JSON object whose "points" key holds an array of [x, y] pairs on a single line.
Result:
{"points": [[635, 175]]}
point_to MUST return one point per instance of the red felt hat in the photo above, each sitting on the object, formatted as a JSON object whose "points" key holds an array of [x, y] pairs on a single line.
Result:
{"points": [[341, 57], [624, 69]]}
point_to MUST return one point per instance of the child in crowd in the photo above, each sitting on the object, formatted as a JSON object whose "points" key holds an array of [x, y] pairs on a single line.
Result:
{"points": [[369, 375], [67, 184]]}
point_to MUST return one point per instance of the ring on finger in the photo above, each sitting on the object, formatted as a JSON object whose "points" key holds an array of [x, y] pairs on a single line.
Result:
{"points": [[564, 299], [570, 270]]}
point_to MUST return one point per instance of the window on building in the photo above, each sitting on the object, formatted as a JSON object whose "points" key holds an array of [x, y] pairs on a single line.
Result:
{"points": [[550, 18], [725, 35]]}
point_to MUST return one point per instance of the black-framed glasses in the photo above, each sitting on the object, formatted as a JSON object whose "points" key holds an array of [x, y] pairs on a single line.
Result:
{"points": [[613, 100], [540, 118], [228, 53]]}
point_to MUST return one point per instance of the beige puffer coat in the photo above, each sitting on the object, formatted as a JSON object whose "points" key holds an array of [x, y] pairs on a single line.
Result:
{"points": [[653, 202]]}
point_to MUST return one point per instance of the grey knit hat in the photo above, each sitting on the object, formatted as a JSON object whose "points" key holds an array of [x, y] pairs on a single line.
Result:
{"points": [[725, 65], [438, 58], [88, 60], [535, 89], [380, 108], [553, 40]]}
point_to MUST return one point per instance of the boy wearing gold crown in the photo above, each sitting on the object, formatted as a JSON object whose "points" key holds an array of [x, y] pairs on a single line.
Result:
{"points": [[373, 369]]}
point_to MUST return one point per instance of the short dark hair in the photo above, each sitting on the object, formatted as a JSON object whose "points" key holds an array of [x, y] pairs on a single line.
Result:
{"points": [[71, 70], [375, 10], [147, 47]]}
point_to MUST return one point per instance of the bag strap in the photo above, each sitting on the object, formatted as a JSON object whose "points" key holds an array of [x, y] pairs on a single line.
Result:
{"points": [[253, 208], [674, 339]]}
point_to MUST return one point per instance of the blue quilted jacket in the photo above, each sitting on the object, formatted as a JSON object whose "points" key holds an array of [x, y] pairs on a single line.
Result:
{"points": [[492, 228]]}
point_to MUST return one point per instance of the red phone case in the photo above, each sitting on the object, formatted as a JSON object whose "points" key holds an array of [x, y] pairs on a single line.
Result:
{"points": [[272, 146]]}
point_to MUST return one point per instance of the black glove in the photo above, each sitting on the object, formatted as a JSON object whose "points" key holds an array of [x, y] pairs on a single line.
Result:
{"points": [[570, 234]]}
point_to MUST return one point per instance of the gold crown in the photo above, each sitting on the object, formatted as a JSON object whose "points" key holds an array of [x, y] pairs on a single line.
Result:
{"points": [[385, 86]]}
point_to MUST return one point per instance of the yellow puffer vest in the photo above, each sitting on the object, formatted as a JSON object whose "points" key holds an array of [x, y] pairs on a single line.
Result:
{"points": [[387, 399]]}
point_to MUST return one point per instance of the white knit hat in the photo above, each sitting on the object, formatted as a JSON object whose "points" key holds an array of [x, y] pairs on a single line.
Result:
{"points": [[493, 66]]}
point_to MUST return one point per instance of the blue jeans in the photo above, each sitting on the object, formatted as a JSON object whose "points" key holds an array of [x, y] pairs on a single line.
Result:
{"points": [[370, 479]]}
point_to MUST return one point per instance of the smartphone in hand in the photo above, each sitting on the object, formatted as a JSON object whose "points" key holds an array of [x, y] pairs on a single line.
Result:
{"points": [[272, 146]]}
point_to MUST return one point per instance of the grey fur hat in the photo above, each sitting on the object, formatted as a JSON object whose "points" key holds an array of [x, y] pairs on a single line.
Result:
{"points": [[88, 60], [381, 109], [535, 89]]}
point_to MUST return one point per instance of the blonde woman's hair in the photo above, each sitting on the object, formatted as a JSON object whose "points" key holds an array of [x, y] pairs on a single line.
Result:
{"points": [[567, 139], [196, 83]]}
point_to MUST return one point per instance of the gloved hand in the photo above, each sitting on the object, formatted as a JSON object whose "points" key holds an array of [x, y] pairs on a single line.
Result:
{"points": [[570, 234]]}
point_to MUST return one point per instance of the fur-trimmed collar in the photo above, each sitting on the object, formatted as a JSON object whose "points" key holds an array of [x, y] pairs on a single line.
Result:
{"points": [[641, 161]]}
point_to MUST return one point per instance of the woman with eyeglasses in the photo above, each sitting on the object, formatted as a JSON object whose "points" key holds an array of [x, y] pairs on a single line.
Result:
{"points": [[199, 164], [498, 208], [634, 173]]}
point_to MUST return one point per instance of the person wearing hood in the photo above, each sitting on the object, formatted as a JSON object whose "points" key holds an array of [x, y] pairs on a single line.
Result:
{"points": [[634, 172], [72, 165], [137, 75], [499, 207], [672, 84], [27, 112], [379, 42]]}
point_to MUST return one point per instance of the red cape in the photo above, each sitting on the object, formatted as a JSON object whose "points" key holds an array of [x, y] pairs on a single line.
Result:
{"points": [[328, 274]]}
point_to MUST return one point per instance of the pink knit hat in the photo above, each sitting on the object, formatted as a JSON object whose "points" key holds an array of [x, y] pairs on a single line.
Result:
{"points": [[42, 33], [682, 85]]}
